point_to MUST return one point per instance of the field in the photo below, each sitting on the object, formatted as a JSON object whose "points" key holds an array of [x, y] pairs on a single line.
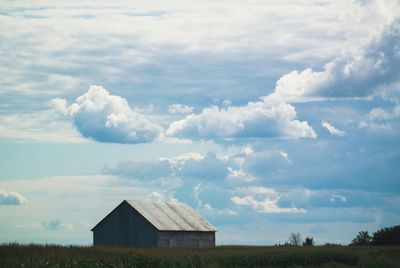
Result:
{"points": [[14, 255]]}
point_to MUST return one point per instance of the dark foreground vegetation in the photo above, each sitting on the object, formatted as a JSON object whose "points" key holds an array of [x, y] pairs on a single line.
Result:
{"points": [[15, 255]]}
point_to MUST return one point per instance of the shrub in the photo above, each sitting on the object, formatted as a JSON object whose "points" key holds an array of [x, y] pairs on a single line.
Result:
{"points": [[363, 238], [309, 241]]}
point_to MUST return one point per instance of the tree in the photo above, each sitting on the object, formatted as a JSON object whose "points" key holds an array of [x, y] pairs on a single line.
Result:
{"points": [[363, 238], [295, 239], [309, 241], [387, 236]]}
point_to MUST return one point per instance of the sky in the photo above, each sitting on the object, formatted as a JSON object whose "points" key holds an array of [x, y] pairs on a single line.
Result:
{"points": [[266, 117]]}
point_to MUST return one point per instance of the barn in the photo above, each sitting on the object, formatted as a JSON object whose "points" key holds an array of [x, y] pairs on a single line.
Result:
{"points": [[138, 223]]}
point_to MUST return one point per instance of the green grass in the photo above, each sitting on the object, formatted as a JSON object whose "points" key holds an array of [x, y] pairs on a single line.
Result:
{"points": [[15, 255]]}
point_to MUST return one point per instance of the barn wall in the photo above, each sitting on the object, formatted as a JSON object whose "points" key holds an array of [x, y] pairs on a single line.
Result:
{"points": [[125, 227], [186, 239]]}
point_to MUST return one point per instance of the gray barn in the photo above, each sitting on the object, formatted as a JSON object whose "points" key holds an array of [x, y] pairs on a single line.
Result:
{"points": [[137, 223]]}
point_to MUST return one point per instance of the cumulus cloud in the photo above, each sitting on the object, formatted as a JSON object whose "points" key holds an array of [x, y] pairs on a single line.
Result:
{"points": [[380, 121], [103, 117], [332, 129], [267, 118], [10, 198], [180, 109], [359, 72]]}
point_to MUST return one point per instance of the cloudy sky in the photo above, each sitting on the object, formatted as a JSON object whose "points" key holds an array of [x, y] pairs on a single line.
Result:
{"points": [[267, 117]]}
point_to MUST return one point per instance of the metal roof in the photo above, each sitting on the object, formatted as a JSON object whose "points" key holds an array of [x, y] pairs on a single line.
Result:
{"points": [[171, 216]]}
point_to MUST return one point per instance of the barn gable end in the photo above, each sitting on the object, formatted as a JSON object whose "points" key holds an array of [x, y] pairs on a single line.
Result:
{"points": [[153, 224], [124, 226]]}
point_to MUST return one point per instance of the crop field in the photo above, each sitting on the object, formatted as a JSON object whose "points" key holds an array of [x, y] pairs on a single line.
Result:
{"points": [[15, 255]]}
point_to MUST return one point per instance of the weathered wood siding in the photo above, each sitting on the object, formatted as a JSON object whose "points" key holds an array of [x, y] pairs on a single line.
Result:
{"points": [[124, 226], [186, 239]]}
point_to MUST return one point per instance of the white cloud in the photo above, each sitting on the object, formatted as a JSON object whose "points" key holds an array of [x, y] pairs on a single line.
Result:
{"points": [[29, 225], [239, 175], [31, 67], [267, 118], [56, 225], [208, 206], [162, 196], [228, 212], [247, 150], [336, 197], [332, 129], [366, 70], [263, 200], [196, 194], [180, 159], [189, 165], [45, 125], [11, 198], [52, 225], [286, 156], [180, 109], [261, 190], [357, 72], [156, 196], [108, 118], [381, 121], [264, 206], [141, 170], [211, 167], [226, 103]]}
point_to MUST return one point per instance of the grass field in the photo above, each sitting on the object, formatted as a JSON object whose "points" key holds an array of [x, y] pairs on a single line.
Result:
{"points": [[14, 255]]}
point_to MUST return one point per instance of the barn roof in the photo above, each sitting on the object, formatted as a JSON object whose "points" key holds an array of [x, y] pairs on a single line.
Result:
{"points": [[171, 216]]}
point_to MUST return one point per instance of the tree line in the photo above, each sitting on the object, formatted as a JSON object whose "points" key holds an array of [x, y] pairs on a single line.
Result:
{"points": [[384, 236]]}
